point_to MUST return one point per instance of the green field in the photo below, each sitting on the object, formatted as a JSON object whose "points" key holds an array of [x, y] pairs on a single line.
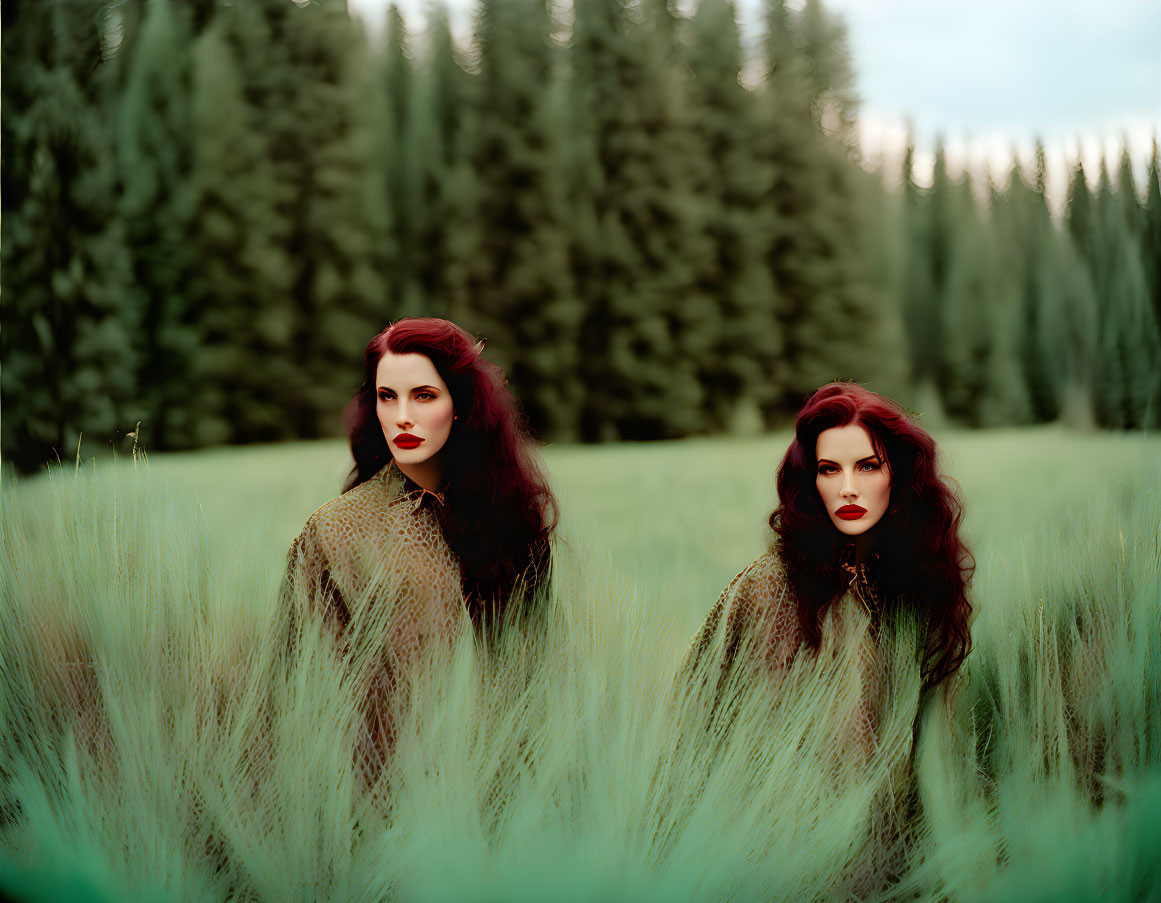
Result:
{"points": [[1043, 780], [681, 518]]}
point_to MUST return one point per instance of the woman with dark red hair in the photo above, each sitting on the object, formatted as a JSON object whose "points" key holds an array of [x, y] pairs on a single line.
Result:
{"points": [[446, 506], [866, 540], [864, 523]]}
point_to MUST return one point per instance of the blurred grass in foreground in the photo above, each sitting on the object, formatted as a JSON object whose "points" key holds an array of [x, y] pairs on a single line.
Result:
{"points": [[141, 778]]}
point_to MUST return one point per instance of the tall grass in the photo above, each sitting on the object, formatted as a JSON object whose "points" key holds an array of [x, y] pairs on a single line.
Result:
{"points": [[158, 745]]}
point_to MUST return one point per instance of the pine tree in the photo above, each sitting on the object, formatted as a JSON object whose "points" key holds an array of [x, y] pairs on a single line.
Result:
{"points": [[637, 241], [301, 69], [969, 309], [1130, 202], [1151, 232], [398, 162], [1067, 327], [341, 299], [1129, 374], [831, 319], [246, 365], [1131, 345], [1080, 216], [830, 80], [918, 300], [67, 318], [1070, 334], [516, 274], [729, 186], [946, 213], [983, 338], [445, 186], [1026, 234], [887, 273], [154, 143]]}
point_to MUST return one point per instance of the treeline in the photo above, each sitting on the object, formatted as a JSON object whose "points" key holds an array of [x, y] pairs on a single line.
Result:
{"points": [[208, 208], [1014, 316]]}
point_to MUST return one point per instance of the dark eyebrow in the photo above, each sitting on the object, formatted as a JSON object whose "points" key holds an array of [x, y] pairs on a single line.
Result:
{"points": [[424, 388], [874, 458]]}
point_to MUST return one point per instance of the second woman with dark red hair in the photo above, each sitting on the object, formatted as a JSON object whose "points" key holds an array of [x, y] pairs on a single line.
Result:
{"points": [[865, 522], [446, 506], [866, 538]]}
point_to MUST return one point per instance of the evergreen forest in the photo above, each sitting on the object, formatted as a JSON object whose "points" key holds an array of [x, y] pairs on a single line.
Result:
{"points": [[210, 207]]}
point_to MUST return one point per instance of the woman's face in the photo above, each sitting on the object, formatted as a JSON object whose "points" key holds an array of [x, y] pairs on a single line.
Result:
{"points": [[854, 483], [414, 407]]}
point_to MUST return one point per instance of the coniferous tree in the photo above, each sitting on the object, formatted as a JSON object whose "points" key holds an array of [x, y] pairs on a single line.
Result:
{"points": [[340, 295], [1069, 330], [1129, 371], [66, 333], [1080, 217], [1026, 235], [982, 382], [1141, 226], [208, 209], [887, 273], [829, 78], [398, 159], [831, 320], [1126, 191], [1151, 231], [517, 282], [154, 141], [1061, 336], [300, 70], [916, 279], [1130, 346], [729, 186], [246, 367], [443, 180], [945, 212], [637, 242]]}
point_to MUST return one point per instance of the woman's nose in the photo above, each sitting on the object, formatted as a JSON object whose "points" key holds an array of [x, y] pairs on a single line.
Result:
{"points": [[848, 487], [402, 414]]}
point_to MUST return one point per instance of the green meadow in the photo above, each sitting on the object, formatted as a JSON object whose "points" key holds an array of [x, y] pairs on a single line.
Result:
{"points": [[137, 639]]}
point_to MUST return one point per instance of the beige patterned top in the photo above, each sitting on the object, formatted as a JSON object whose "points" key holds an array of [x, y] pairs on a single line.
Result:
{"points": [[753, 629], [849, 707], [374, 564]]}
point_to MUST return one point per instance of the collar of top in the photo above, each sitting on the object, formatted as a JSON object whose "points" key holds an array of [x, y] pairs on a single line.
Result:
{"points": [[406, 491], [862, 584]]}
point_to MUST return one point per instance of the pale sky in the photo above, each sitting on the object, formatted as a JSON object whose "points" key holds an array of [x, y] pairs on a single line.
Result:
{"points": [[987, 75]]}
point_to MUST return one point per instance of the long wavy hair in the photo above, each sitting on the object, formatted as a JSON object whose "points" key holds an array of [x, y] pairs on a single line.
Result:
{"points": [[499, 513], [920, 562]]}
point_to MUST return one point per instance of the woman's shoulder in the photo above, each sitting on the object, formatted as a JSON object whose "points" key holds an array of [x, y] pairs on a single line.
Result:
{"points": [[762, 582], [759, 589], [362, 506], [755, 604]]}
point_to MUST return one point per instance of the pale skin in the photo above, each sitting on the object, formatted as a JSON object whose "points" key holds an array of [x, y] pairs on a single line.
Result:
{"points": [[414, 408], [852, 478]]}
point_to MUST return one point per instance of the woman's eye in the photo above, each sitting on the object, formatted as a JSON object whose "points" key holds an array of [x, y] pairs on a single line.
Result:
{"points": [[825, 469], [383, 396], [869, 466], [425, 396]]}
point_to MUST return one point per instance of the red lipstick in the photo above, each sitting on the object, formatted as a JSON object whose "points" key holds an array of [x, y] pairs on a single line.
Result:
{"points": [[406, 440], [850, 512]]}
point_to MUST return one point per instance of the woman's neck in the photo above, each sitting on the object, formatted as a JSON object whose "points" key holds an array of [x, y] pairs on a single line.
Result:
{"points": [[864, 546], [426, 474]]}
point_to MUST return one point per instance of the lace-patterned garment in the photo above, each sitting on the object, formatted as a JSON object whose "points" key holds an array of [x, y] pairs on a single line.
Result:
{"points": [[755, 624], [373, 564], [752, 637]]}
